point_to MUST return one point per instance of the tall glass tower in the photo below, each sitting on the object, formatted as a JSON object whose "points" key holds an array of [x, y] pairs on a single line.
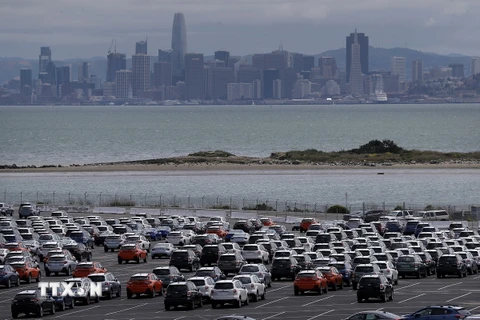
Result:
{"points": [[179, 44]]}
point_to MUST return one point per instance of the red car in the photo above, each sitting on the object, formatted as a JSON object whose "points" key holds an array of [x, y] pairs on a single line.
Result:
{"points": [[334, 278]]}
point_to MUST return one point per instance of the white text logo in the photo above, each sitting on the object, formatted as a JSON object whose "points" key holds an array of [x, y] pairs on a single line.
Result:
{"points": [[68, 289]]}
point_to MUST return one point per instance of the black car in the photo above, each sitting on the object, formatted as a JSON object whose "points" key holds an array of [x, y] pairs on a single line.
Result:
{"points": [[244, 225], [185, 259], [429, 262], [206, 239], [411, 265], [373, 215], [374, 286], [211, 253], [61, 302], [31, 302], [451, 264], [168, 275], [184, 294], [231, 262], [285, 268], [79, 251], [304, 261]]}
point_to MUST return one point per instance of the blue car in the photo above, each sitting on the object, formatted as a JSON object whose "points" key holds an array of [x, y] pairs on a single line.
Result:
{"points": [[164, 231], [83, 237], [345, 268], [8, 276], [438, 313], [410, 227]]}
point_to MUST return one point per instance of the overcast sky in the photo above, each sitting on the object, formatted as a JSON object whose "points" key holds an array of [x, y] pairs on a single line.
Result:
{"points": [[85, 28]]}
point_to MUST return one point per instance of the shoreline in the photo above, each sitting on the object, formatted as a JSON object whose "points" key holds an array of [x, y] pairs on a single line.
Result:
{"points": [[214, 166]]}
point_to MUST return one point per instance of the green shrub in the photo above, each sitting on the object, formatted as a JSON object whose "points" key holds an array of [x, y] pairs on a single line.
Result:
{"points": [[399, 207], [338, 209]]}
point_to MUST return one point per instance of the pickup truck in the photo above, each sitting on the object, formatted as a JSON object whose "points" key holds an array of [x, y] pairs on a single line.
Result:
{"points": [[6, 209]]}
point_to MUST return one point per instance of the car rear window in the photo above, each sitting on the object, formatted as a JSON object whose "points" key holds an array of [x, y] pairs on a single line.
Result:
{"points": [[198, 283], [161, 272], [306, 275], [406, 259], [84, 266], [97, 278], [362, 260], [25, 296], [227, 258], [54, 259], [250, 248], [244, 280], [364, 269], [224, 286], [250, 269], [180, 254], [448, 259], [210, 250], [367, 281], [177, 288], [138, 278]]}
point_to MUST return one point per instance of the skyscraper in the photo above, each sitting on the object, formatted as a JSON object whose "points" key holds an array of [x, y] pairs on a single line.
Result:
{"points": [[162, 74], [164, 55], [398, 67], [123, 84], [328, 67], [362, 40], [457, 70], [475, 67], [194, 78], [417, 71], [116, 62], [83, 71], [26, 82], [179, 44], [308, 63], [44, 58], [356, 80], [223, 56], [140, 73], [141, 47], [269, 76]]}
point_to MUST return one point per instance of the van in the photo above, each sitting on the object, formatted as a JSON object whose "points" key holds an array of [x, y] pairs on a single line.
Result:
{"points": [[436, 215]]}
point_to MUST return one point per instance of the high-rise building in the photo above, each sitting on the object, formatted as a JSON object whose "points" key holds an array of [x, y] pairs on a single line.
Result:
{"points": [[44, 58], [458, 71], [269, 76], [417, 71], [83, 71], [328, 68], [275, 60], [164, 55], [298, 62], [115, 62], [277, 89], [308, 63], [475, 68], [301, 88], [26, 82], [362, 40], [123, 84], [52, 73], [221, 77], [288, 77], [247, 74], [179, 44], [239, 91], [140, 73], [194, 78], [398, 67], [162, 74], [258, 61], [141, 47], [356, 80], [223, 56], [257, 89], [95, 80]]}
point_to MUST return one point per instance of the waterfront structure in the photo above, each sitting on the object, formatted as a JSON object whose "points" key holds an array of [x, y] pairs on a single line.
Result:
{"points": [[362, 40], [417, 71], [458, 71], [239, 91], [223, 56], [83, 71], [115, 62], [179, 44], [162, 74], [140, 73], [194, 78], [141, 47], [398, 67], [44, 58], [123, 84], [475, 66], [355, 80]]}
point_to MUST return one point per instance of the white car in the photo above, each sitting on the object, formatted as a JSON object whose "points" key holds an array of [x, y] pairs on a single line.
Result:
{"points": [[59, 213], [307, 243], [33, 245], [388, 270], [256, 289], [163, 249], [114, 241], [48, 246], [229, 291], [240, 238], [3, 255], [232, 247], [178, 238], [204, 285], [256, 253], [141, 240]]}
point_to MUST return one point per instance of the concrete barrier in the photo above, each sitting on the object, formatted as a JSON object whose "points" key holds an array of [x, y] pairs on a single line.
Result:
{"points": [[111, 210], [243, 215], [210, 213], [148, 211], [177, 212]]}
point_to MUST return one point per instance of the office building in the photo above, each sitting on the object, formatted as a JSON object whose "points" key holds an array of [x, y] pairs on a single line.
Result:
{"points": [[330, 89], [247, 74], [356, 80], [223, 56], [220, 78], [475, 67], [308, 63], [123, 84], [115, 62], [275, 60], [109, 89], [179, 44], [257, 89], [83, 71], [194, 79], [162, 74], [457, 70], [391, 83], [44, 58], [298, 62], [258, 61], [239, 91], [362, 41], [289, 77], [95, 80], [269, 76], [277, 89], [51, 74], [417, 71], [25, 82], [301, 89], [164, 55], [328, 68], [141, 47], [398, 67], [140, 73]]}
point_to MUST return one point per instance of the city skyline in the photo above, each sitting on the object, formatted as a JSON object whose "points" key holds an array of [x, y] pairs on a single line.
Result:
{"points": [[307, 26]]}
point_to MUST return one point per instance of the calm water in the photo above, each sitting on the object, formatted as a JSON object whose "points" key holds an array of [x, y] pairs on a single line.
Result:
{"points": [[40, 135]]}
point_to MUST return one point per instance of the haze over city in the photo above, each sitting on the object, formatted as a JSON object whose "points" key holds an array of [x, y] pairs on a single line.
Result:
{"points": [[85, 29]]}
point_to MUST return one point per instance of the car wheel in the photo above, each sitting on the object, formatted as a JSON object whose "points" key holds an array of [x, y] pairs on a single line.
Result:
{"points": [[145, 259], [40, 312], [39, 277], [264, 295], [439, 275], [137, 260], [359, 300], [14, 315], [418, 275], [89, 258], [129, 294], [8, 284], [52, 311], [354, 286], [428, 272], [247, 301], [109, 295], [87, 300], [341, 284], [391, 296], [238, 303], [56, 273], [105, 249], [119, 292], [17, 283], [120, 260], [296, 291], [62, 306], [151, 294], [214, 305], [200, 303], [191, 305], [72, 305], [255, 297], [460, 274], [383, 297], [68, 272], [167, 307], [334, 288], [48, 273], [29, 279]]}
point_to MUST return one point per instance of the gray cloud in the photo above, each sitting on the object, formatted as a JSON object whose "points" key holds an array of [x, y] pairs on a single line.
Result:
{"points": [[85, 28]]}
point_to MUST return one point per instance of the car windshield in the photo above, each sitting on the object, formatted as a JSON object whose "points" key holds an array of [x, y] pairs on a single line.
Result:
{"points": [[98, 278], [224, 286]]}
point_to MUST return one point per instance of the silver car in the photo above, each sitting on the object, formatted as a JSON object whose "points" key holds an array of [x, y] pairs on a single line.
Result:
{"points": [[82, 295], [256, 289], [205, 286], [60, 263], [162, 250], [229, 291], [113, 242]]}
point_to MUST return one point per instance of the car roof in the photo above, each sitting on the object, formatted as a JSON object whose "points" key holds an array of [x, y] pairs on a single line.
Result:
{"points": [[144, 274]]}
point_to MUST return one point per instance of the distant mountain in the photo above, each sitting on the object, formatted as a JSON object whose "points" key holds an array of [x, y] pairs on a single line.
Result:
{"points": [[379, 60]]}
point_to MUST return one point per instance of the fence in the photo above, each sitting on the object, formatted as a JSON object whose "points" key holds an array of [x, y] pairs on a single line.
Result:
{"points": [[271, 206]]}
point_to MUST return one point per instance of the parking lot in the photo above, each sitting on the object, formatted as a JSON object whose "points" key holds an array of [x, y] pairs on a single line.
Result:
{"points": [[410, 295]]}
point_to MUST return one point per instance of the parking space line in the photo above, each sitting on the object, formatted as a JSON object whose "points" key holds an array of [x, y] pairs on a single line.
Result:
{"points": [[329, 297], [450, 285], [321, 314], [268, 291], [474, 309], [463, 295], [263, 305], [476, 277], [277, 314], [411, 298], [82, 310], [140, 305], [411, 285], [180, 318]]}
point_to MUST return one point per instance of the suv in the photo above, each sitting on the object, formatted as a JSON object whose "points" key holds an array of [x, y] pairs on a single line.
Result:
{"points": [[183, 293], [439, 313], [168, 275], [256, 289], [364, 269], [451, 264], [374, 286], [84, 294], [260, 271], [229, 291], [210, 254], [185, 259], [31, 302], [110, 284], [60, 263], [411, 265], [230, 262], [285, 267], [79, 251], [244, 225]]}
